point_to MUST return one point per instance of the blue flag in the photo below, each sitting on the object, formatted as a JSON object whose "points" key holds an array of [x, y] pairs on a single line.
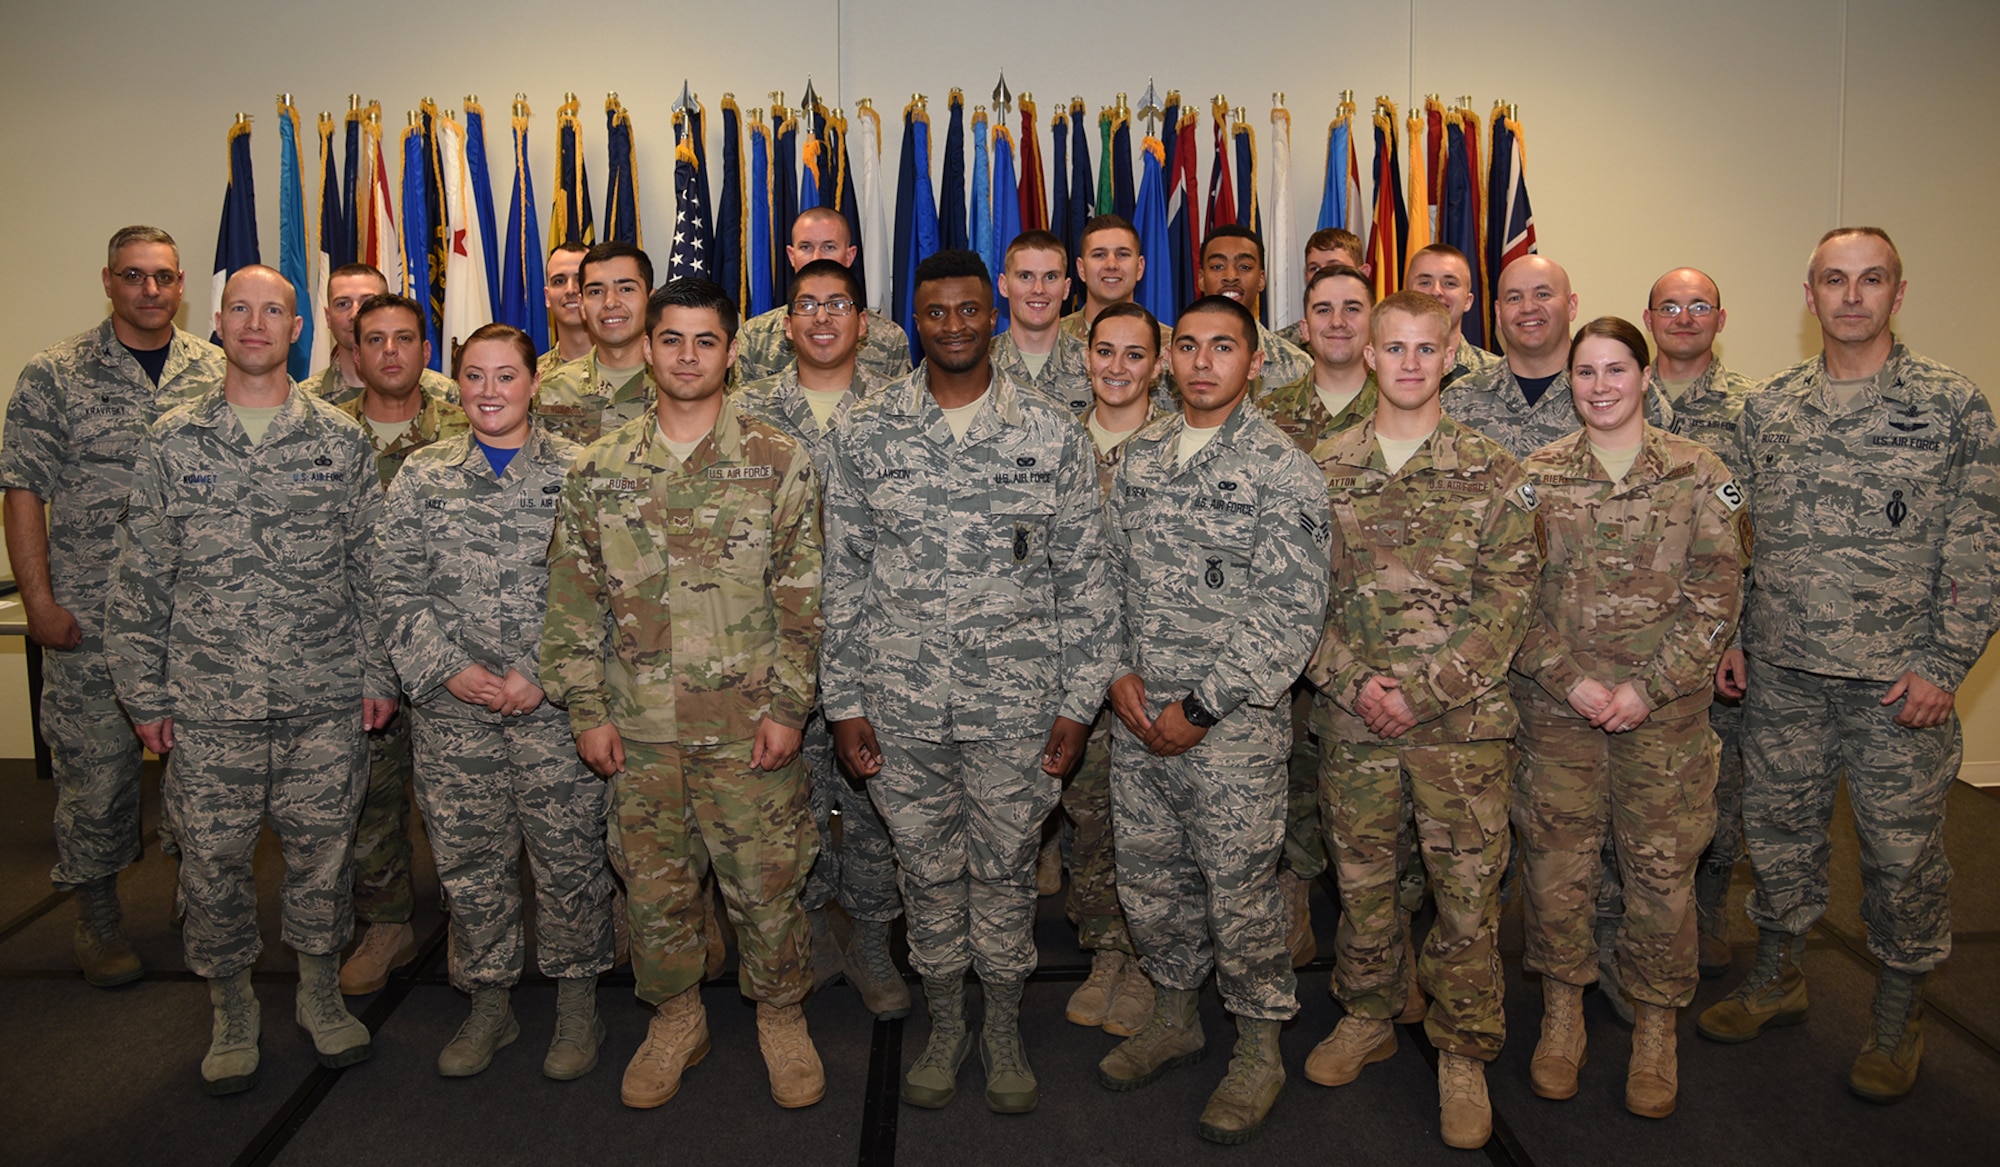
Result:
{"points": [[687, 257], [1156, 291], [1458, 222], [1333, 194], [784, 196], [416, 219], [482, 195], [730, 224], [292, 262], [982, 196], [236, 238], [521, 303], [845, 199], [952, 229], [1059, 175], [1006, 208], [569, 219], [1082, 190], [334, 232], [916, 236], [1182, 194], [757, 237], [621, 191], [346, 247]]}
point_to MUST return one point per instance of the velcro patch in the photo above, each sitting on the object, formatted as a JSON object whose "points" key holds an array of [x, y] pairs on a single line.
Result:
{"points": [[620, 484], [1525, 495], [738, 473], [1731, 496]]}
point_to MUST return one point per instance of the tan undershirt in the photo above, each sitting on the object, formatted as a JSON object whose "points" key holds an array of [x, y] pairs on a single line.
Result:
{"points": [[1616, 463], [1675, 390], [823, 402], [960, 419], [1108, 440], [681, 451], [1036, 362], [1846, 391], [1397, 451], [1335, 402], [1194, 441], [255, 419]]}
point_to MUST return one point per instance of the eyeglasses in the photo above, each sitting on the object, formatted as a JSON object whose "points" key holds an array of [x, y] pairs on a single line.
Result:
{"points": [[1700, 309], [838, 306], [134, 277]]}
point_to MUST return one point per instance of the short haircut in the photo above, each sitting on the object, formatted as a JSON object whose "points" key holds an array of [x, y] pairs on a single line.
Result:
{"points": [[1127, 310], [1223, 306], [358, 269], [1339, 269], [1036, 240], [1652, 292], [955, 264], [1895, 256], [1233, 231], [831, 269], [1336, 239], [382, 300], [524, 346], [1097, 223], [816, 215], [571, 248], [1613, 328], [1444, 249], [1411, 304], [606, 252], [138, 233], [692, 292]]}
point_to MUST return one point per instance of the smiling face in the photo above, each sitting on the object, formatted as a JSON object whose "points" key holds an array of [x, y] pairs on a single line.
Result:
{"points": [[391, 354], [614, 301], [1446, 279], [954, 319], [1232, 267], [1684, 314], [258, 321], [822, 339], [1336, 322], [344, 295], [1111, 265], [1853, 288], [1608, 383], [1535, 307], [1124, 356], [1035, 287], [689, 353], [562, 291], [496, 389]]}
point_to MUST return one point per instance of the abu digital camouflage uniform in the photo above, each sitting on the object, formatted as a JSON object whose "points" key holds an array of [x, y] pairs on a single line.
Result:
{"points": [[967, 608], [74, 426], [1642, 583], [241, 606], [383, 893], [859, 868], [1065, 376], [1093, 869], [1221, 562], [1297, 411], [580, 402], [763, 350], [1492, 402], [1707, 412], [1469, 359], [1877, 527], [463, 581], [549, 362], [329, 386], [1435, 569], [684, 610]]}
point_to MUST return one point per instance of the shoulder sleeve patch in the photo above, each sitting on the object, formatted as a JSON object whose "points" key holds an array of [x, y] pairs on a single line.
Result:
{"points": [[1526, 495], [1731, 496]]}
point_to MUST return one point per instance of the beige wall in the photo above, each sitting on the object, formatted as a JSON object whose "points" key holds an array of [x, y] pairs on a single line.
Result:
{"points": [[1708, 132]]}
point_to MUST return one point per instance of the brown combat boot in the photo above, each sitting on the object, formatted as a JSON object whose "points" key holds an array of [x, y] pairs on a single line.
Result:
{"points": [[1773, 994], [384, 948], [102, 951], [797, 1078], [1560, 1053], [1132, 1004], [1886, 1071], [1652, 1079], [1299, 938], [1237, 1109], [1355, 1042], [1091, 1003], [1170, 1038], [1465, 1117], [676, 1039]]}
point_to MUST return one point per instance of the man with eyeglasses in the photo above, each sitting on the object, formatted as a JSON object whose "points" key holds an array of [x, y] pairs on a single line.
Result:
{"points": [[1036, 350], [764, 345], [73, 430], [808, 401], [1684, 314], [562, 293], [611, 384], [347, 288]]}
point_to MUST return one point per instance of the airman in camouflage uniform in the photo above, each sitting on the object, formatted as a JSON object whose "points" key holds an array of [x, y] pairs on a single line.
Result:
{"points": [[1325, 247], [580, 402], [1222, 561], [1435, 567], [968, 614], [682, 636], [562, 295], [74, 425], [236, 634], [1706, 409], [463, 582], [347, 288], [1232, 265], [1641, 587], [763, 349], [1064, 379], [610, 385], [1874, 482]]}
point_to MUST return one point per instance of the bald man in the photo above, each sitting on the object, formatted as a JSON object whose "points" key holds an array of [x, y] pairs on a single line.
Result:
{"points": [[763, 349]]}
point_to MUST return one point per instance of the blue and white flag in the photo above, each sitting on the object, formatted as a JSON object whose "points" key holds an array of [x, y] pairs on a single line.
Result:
{"points": [[482, 195], [292, 261], [236, 238], [688, 256]]}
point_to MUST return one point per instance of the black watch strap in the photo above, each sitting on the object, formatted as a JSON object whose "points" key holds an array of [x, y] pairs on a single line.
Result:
{"points": [[1198, 715]]}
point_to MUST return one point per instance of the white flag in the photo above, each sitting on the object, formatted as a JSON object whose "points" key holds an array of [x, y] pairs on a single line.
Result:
{"points": [[466, 304], [1286, 290], [876, 248]]}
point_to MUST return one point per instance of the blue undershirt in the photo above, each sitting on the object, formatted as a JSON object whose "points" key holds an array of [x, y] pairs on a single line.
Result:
{"points": [[497, 457]]}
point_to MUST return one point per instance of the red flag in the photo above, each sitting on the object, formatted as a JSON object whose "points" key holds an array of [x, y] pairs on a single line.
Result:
{"points": [[1034, 211], [1221, 188]]}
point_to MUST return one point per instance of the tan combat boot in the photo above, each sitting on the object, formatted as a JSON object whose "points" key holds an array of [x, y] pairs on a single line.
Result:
{"points": [[1773, 994], [1415, 1006], [337, 1036], [1132, 1004], [676, 1039], [871, 970], [489, 1027], [1560, 1053], [1091, 1002], [1297, 897], [230, 1066], [102, 951], [1048, 866], [1465, 1117], [797, 1078], [1256, 1076], [1171, 1037], [932, 1080], [579, 1030], [1010, 1082], [1652, 1079], [1886, 1071], [383, 949], [1354, 1043]]}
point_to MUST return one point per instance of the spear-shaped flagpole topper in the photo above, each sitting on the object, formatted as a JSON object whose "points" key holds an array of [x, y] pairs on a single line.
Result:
{"points": [[1003, 97], [1149, 107]]}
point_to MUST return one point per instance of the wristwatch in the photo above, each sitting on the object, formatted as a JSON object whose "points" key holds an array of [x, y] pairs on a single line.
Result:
{"points": [[1198, 715]]}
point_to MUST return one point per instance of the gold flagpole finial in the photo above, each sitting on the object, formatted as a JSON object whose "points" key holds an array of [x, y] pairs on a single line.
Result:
{"points": [[284, 99], [1278, 98], [413, 117], [353, 101], [567, 96]]}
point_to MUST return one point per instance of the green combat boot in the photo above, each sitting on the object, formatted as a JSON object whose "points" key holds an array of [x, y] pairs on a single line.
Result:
{"points": [[933, 1079], [579, 1030], [106, 958], [230, 1066], [1256, 1076], [1773, 994], [337, 1037], [1172, 1037], [487, 1029], [1010, 1082], [871, 970], [1887, 1067]]}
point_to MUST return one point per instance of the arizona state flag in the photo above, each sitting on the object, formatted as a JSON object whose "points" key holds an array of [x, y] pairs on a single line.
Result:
{"points": [[521, 302], [292, 261], [953, 231], [569, 220], [1034, 213], [236, 239]]}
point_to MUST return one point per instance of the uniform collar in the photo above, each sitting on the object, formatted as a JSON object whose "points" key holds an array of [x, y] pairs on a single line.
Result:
{"points": [[1167, 453], [181, 350], [1887, 385], [722, 443], [1003, 401]]}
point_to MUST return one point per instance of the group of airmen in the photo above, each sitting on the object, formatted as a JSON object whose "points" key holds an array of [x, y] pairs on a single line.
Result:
{"points": [[690, 605]]}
